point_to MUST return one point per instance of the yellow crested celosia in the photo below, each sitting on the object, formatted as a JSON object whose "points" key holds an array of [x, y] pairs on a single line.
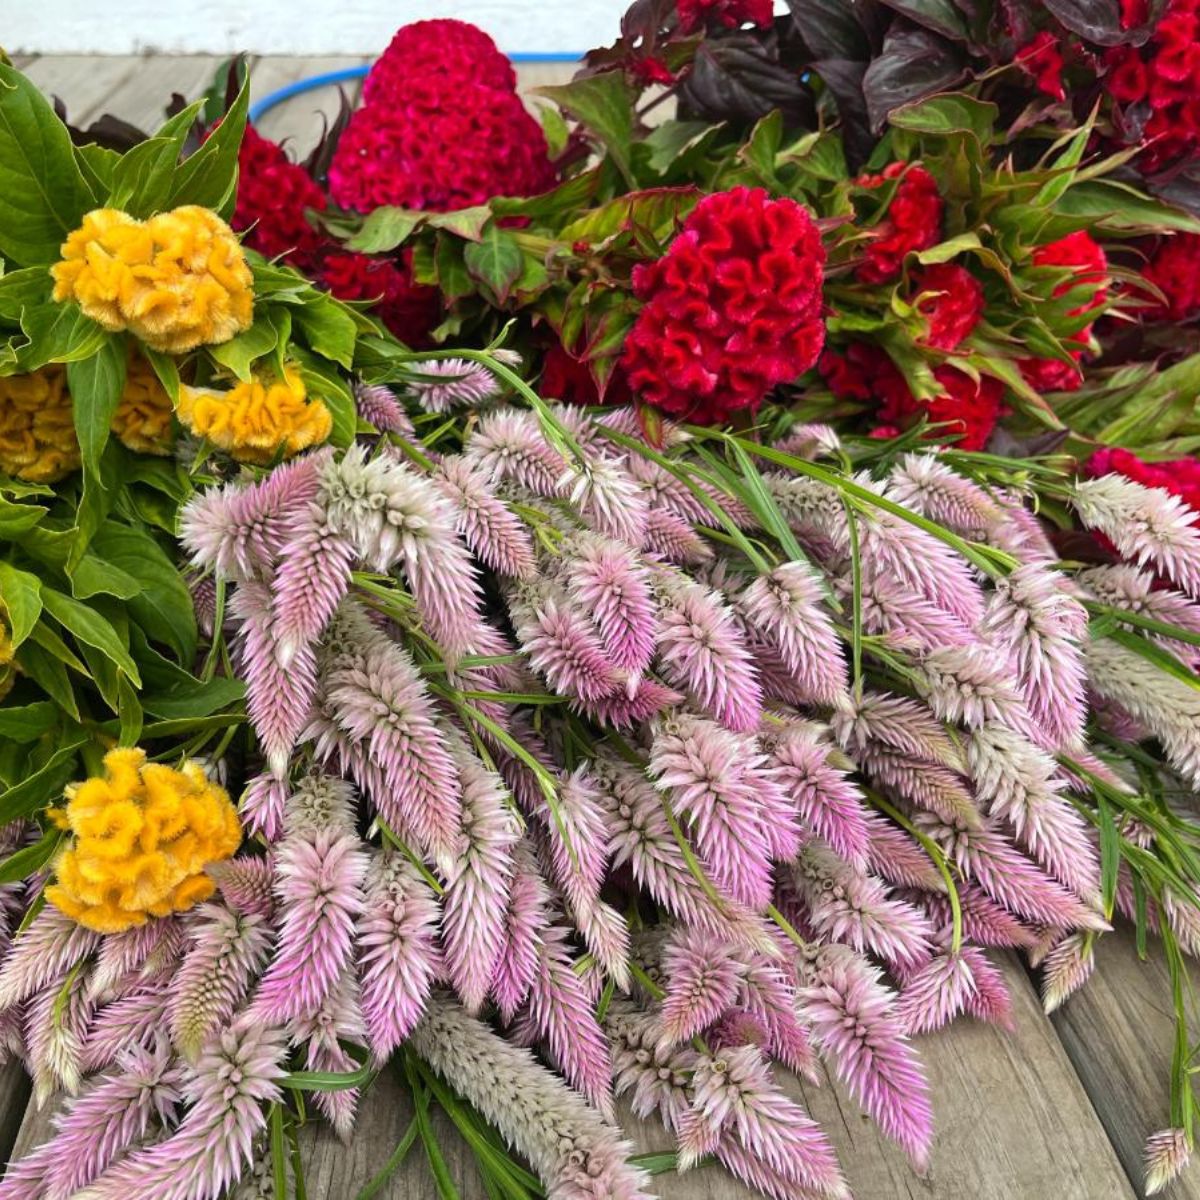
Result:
{"points": [[256, 421], [176, 281], [142, 835], [37, 431], [143, 418]]}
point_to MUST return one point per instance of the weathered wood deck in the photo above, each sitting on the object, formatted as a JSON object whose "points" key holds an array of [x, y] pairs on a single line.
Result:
{"points": [[1059, 1109]]}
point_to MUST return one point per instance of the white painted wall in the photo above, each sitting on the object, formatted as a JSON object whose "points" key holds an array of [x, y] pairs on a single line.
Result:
{"points": [[310, 27]]}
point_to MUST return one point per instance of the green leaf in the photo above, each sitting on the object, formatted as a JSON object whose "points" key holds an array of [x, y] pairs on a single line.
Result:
{"points": [[385, 229], [495, 262], [167, 370], [22, 596], [324, 383], [142, 179], [1156, 654], [1110, 205], [172, 693], [96, 385], [26, 288], [29, 861], [209, 176], [468, 223], [943, 252], [604, 104], [18, 519], [95, 576], [655, 212], [163, 607], [43, 193], [97, 164], [86, 624], [129, 708], [58, 333], [40, 788], [239, 352], [947, 115], [672, 139], [329, 328], [278, 1153], [48, 672], [27, 722]]}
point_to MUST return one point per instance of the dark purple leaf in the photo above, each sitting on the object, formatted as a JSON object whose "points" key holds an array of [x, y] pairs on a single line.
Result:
{"points": [[939, 15], [833, 28], [1097, 20], [915, 63], [317, 163], [740, 79], [844, 79]]}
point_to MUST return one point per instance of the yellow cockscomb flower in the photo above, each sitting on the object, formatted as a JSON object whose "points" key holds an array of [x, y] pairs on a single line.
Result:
{"points": [[143, 834], [176, 281], [255, 421], [143, 418], [37, 431]]}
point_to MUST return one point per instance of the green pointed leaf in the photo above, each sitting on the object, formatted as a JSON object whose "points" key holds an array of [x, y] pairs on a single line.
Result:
{"points": [[91, 629], [384, 230], [604, 105], [209, 176], [44, 786], [495, 262], [329, 328], [26, 288], [22, 596], [29, 861], [96, 385], [241, 351], [48, 672], [27, 722]]}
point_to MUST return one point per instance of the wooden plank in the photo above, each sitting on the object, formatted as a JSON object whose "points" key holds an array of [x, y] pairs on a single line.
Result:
{"points": [[299, 120], [82, 82], [142, 98], [1118, 1032]]}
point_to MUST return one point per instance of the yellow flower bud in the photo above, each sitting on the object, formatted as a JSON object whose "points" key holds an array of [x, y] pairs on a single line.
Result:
{"points": [[176, 281], [255, 421], [142, 835], [37, 431]]}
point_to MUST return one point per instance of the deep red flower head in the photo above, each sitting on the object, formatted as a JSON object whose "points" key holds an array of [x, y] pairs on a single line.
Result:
{"points": [[409, 310], [913, 221], [731, 310], [1086, 265], [966, 411], [952, 303], [440, 146], [1043, 59], [1180, 476], [1174, 268], [452, 49], [273, 193], [694, 14], [567, 378]]}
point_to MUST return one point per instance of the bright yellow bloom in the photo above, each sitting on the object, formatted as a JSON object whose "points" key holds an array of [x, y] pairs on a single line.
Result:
{"points": [[37, 432], [255, 421], [143, 418], [143, 834], [177, 281]]}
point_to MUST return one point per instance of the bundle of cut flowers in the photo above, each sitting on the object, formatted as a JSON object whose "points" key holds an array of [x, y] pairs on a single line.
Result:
{"points": [[597, 714]]}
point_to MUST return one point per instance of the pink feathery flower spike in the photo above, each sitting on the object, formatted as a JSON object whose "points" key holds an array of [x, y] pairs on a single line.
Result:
{"points": [[828, 804], [564, 1015], [893, 855], [1167, 1154], [851, 1018], [896, 723], [56, 1027], [227, 952], [1066, 969], [319, 882], [278, 699], [378, 406], [855, 909], [527, 914], [702, 769], [787, 606], [626, 708], [562, 644], [1125, 587], [926, 486], [245, 884], [577, 1155], [398, 955], [904, 618], [610, 584], [702, 652], [1148, 526], [702, 980], [610, 500], [656, 1077], [971, 685], [811, 441], [737, 1096], [934, 994], [495, 534], [262, 803], [983, 920], [510, 447], [134, 1020], [767, 993], [338, 1019], [1032, 618], [990, 1001], [44, 953], [113, 1115], [673, 540], [473, 908], [929, 787], [136, 954], [440, 384], [236, 1076]]}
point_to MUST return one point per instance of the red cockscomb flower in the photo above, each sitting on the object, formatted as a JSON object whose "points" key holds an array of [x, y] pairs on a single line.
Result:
{"points": [[913, 221], [693, 14], [1043, 59], [273, 194], [951, 301], [569, 379], [1174, 268], [410, 310], [439, 146], [1087, 265], [731, 310], [452, 49]]}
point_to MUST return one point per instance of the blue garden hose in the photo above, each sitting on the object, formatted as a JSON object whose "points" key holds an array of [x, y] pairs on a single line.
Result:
{"points": [[348, 73]]}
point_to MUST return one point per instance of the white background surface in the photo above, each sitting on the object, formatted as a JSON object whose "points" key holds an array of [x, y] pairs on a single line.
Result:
{"points": [[309, 27]]}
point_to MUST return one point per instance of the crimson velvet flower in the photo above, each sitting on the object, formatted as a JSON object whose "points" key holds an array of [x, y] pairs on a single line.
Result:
{"points": [[1042, 58], [913, 221], [694, 14], [452, 49], [966, 411], [439, 146], [1174, 268], [569, 379], [950, 299], [1084, 259], [410, 310], [1161, 79], [273, 194], [731, 310]]}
